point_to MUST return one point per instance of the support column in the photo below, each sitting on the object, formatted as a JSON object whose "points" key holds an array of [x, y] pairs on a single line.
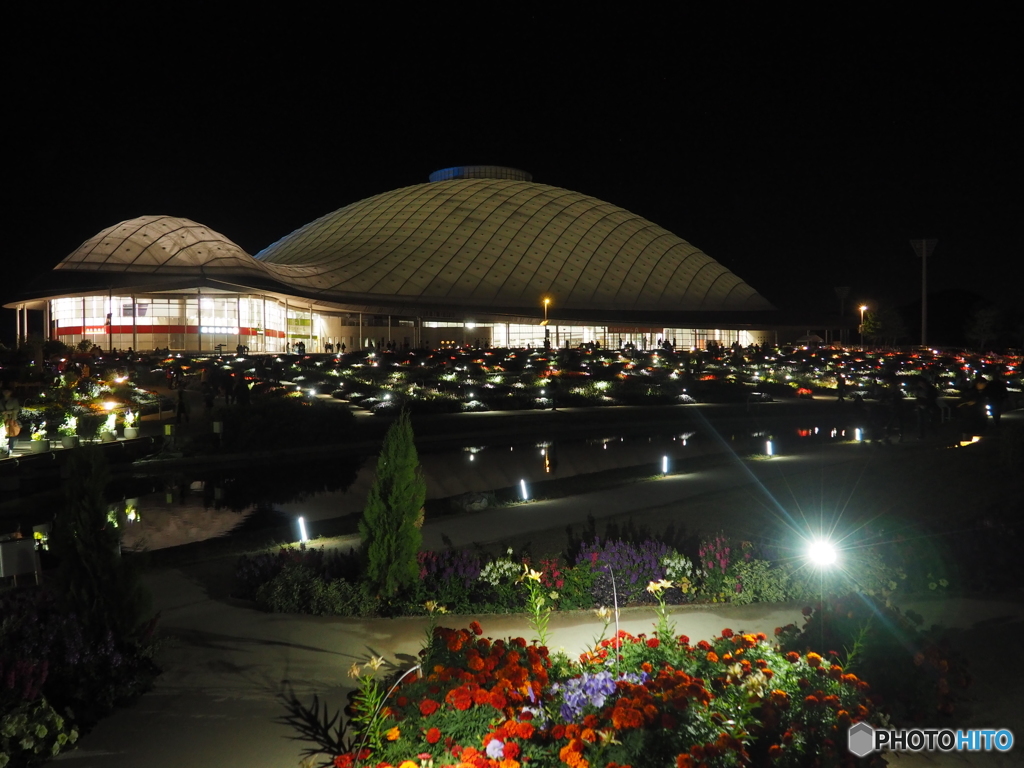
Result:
{"points": [[360, 345], [48, 334], [199, 318], [311, 326], [135, 325]]}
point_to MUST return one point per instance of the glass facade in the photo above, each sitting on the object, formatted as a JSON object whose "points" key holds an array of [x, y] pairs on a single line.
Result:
{"points": [[177, 323], [266, 324]]}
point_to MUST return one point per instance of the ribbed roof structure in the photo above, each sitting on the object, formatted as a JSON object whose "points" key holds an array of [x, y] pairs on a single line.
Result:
{"points": [[503, 244], [164, 244]]}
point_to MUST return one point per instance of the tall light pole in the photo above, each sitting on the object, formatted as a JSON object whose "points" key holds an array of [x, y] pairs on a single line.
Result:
{"points": [[863, 309], [547, 331], [921, 248]]}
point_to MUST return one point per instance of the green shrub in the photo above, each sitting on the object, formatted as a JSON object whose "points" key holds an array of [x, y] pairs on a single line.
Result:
{"points": [[32, 733], [758, 581], [300, 589], [577, 586]]}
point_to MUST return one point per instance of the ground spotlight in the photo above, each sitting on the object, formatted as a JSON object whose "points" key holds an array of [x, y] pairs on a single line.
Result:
{"points": [[822, 553], [522, 488], [769, 448], [302, 531], [664, 465]]}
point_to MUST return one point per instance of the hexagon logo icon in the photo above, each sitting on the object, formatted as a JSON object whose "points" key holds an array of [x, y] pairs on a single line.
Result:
{"points": [[860, 739]]}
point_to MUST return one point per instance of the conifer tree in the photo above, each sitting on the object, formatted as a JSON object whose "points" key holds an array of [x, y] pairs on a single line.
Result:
{"points": [[390, 525]]}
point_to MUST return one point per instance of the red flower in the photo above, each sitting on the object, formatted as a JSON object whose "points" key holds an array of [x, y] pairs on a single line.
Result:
{"points": [[684, 640], [727, 633], [653, 642], [433, 736], [476, 628], [428, 707]]}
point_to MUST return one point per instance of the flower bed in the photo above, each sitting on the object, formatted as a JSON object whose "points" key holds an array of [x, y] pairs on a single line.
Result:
{"points": [[629, 700]]}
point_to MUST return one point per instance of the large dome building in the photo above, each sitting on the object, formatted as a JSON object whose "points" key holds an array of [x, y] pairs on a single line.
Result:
{"points": [[478, 255]]}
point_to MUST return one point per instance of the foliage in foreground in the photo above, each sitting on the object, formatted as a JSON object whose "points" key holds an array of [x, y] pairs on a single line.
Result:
{"points": [[630, 700], [72, 651]]}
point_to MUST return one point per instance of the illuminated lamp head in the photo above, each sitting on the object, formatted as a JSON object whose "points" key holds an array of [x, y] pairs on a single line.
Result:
{"points": [[822, 553]]}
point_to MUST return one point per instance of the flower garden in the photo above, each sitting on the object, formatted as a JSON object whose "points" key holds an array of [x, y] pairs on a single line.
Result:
{"points": [[632, 700], [644, 700]]}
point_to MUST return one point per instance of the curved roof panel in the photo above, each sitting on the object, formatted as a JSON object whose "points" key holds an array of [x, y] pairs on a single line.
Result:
{"points": [[504, 243], [163, 244]]}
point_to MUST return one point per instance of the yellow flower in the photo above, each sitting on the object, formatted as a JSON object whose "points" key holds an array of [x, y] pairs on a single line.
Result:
{"points": [[656, 587], [393, 734], [603, 613], [375, 663], [355, 671], [529, 573]]}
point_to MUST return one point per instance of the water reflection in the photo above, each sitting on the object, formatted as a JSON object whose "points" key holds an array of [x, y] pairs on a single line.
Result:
{"points": [[176, 509]]}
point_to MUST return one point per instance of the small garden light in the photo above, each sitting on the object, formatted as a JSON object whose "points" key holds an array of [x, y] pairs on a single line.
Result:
{"points": [[822, 553], [664, 465], [522, 488], [302, 531], [858, 435], [769, 449]]}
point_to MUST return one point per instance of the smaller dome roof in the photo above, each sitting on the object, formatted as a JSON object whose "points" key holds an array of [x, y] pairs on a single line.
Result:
{"points": [[159, 243]]}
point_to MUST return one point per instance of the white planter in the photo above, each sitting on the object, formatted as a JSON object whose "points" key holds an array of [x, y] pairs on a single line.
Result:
{"points": [[69, 441], [107, 437], [38, 446], [130, 433]]}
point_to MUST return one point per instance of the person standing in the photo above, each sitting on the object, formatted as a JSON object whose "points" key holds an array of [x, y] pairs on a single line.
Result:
{"points": [[840, 387], [10, 407], [182, 408]]}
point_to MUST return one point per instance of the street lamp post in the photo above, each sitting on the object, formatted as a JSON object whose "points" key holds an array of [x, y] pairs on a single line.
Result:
{"points": [[863, 309], [547, 330]]}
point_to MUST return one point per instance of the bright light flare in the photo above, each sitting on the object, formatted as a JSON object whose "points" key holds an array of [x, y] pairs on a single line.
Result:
{"points": [[522, 488], [302, 531], [822, 553]]}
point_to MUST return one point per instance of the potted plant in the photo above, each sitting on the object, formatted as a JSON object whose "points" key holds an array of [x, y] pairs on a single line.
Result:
{"points": [[69, 431], [130, 430], [108, 430], [39, 443]]}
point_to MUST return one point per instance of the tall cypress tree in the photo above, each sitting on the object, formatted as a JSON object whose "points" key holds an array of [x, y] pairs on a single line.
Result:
{"points": [[389, 528]]}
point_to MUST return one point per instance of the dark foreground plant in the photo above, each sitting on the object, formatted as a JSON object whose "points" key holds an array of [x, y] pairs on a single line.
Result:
{"points": [[917, 675]]}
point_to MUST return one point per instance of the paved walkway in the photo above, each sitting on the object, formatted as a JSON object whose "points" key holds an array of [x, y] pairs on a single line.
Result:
{"points": [[226, 664]]}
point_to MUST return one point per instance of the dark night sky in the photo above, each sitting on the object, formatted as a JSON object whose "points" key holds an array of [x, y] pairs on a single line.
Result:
{"points": [[800, 148]]}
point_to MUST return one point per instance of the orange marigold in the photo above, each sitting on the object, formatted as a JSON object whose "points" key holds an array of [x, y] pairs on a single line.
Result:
{"points": [[712, 657]]}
